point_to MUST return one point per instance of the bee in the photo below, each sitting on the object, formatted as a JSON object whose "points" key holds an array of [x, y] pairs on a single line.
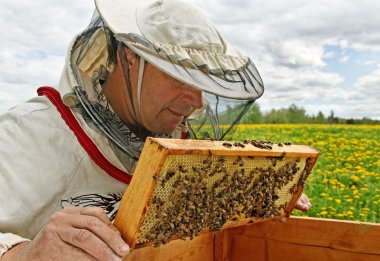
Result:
{"points": [[221, 160], [182, 169], [282, 156], [274, 162], [169, 175], [288, 143], [157, 244], [292, 189], [238, 144], [227, 145]]}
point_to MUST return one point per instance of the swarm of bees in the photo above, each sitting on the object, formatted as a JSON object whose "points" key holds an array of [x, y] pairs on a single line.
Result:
{"points": [[261, 144], [208, 191]]}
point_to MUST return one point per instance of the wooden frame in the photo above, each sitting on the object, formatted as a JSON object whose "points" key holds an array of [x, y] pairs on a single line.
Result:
{"points": [[135, 202]]}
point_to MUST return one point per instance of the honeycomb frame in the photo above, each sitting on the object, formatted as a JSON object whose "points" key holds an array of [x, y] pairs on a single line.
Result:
{"points": [[182, 188]]}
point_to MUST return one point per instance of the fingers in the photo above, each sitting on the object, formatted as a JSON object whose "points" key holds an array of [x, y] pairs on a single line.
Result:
{"points": [[90, 211], [96, 232], [302, 207], [74, 252], [303, 203], [89, 242]]}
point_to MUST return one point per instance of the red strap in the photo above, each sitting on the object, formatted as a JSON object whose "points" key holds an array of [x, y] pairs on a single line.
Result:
{"points": [[88, 145]]}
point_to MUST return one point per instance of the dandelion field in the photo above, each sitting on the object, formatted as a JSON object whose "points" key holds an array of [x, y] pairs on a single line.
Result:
{"points": [[345, 182]]}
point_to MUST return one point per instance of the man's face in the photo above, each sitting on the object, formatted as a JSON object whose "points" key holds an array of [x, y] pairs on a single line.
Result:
{"points": [[166, 102]]}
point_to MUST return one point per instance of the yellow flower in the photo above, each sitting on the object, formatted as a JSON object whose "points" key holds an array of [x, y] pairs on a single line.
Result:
{"points": [[338, 201], [323, 195], [324, 213]]}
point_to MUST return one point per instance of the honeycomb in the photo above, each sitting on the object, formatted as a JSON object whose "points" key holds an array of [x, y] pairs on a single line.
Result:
{"points": [[196, 193]]}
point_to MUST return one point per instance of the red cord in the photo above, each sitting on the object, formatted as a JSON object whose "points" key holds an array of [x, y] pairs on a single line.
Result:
{"points": [[89, 146]]}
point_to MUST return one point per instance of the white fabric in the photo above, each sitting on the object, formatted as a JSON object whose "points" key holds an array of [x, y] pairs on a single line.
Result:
{"points": [[41, 163], [8, 240], [139, 82]]}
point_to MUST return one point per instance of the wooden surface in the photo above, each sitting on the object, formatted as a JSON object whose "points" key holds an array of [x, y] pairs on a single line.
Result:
{"points": [[301, 239], [296, 239], [198, 249]]}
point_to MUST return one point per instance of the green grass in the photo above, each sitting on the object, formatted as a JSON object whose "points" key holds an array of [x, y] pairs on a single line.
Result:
{"points": [[345, 183]]}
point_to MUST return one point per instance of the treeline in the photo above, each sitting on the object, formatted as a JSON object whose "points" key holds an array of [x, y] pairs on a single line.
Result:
{"points": [[295, 114]]}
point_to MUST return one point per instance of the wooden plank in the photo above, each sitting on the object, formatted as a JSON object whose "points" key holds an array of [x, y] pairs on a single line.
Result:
{"points": [[222, 246], [200, 248], [248, 248], [277, 250], [261, 249], [202, 147], [334, 234]]}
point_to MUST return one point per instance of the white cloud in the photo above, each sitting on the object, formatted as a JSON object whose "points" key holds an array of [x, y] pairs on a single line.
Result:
{"points": [[285, 39], [34, 39], [344, 58]]}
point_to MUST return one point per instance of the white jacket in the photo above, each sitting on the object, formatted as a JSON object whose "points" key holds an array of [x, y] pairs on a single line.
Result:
{"points": [[42, 168]]}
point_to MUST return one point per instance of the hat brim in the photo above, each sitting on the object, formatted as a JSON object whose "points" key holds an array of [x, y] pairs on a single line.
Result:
{"points": [[250, 90], [244, 84]]}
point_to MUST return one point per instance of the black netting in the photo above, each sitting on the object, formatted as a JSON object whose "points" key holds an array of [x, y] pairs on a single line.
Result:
{"points": [[218, 120]]}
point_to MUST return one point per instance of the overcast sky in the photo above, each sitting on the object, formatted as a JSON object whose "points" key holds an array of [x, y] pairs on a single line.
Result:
{"points": [[321, 55]]}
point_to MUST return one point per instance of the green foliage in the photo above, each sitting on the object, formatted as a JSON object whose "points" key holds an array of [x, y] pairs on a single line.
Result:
{"points": [[292, 114]]}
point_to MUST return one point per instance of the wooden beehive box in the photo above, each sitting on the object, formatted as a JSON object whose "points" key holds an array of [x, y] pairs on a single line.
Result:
{"points": [[182, 188]]}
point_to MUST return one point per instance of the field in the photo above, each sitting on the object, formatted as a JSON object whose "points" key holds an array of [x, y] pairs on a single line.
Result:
{"points": [[345, 183]]}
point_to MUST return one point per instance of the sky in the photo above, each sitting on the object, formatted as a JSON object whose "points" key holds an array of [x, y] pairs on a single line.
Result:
{"points": [[319, 55]]}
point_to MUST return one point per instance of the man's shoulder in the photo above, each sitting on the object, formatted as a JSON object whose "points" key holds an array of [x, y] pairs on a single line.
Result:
{"points": [[36, 111], [35, 104]]}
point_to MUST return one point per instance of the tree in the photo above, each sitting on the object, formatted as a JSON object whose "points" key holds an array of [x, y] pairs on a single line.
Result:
{"points": [[332, 119], [277, 116], [320, 118], [296, 114]]}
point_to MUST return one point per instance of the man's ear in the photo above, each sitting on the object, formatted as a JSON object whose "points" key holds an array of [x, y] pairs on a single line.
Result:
{"points": [[131, 57]]}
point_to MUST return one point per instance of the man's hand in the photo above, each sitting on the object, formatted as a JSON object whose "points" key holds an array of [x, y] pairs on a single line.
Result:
{"points": [[303, 203], [74, 234]]}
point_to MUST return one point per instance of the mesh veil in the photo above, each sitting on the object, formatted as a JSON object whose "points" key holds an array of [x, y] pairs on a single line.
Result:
{"points": [[217, 121]]}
